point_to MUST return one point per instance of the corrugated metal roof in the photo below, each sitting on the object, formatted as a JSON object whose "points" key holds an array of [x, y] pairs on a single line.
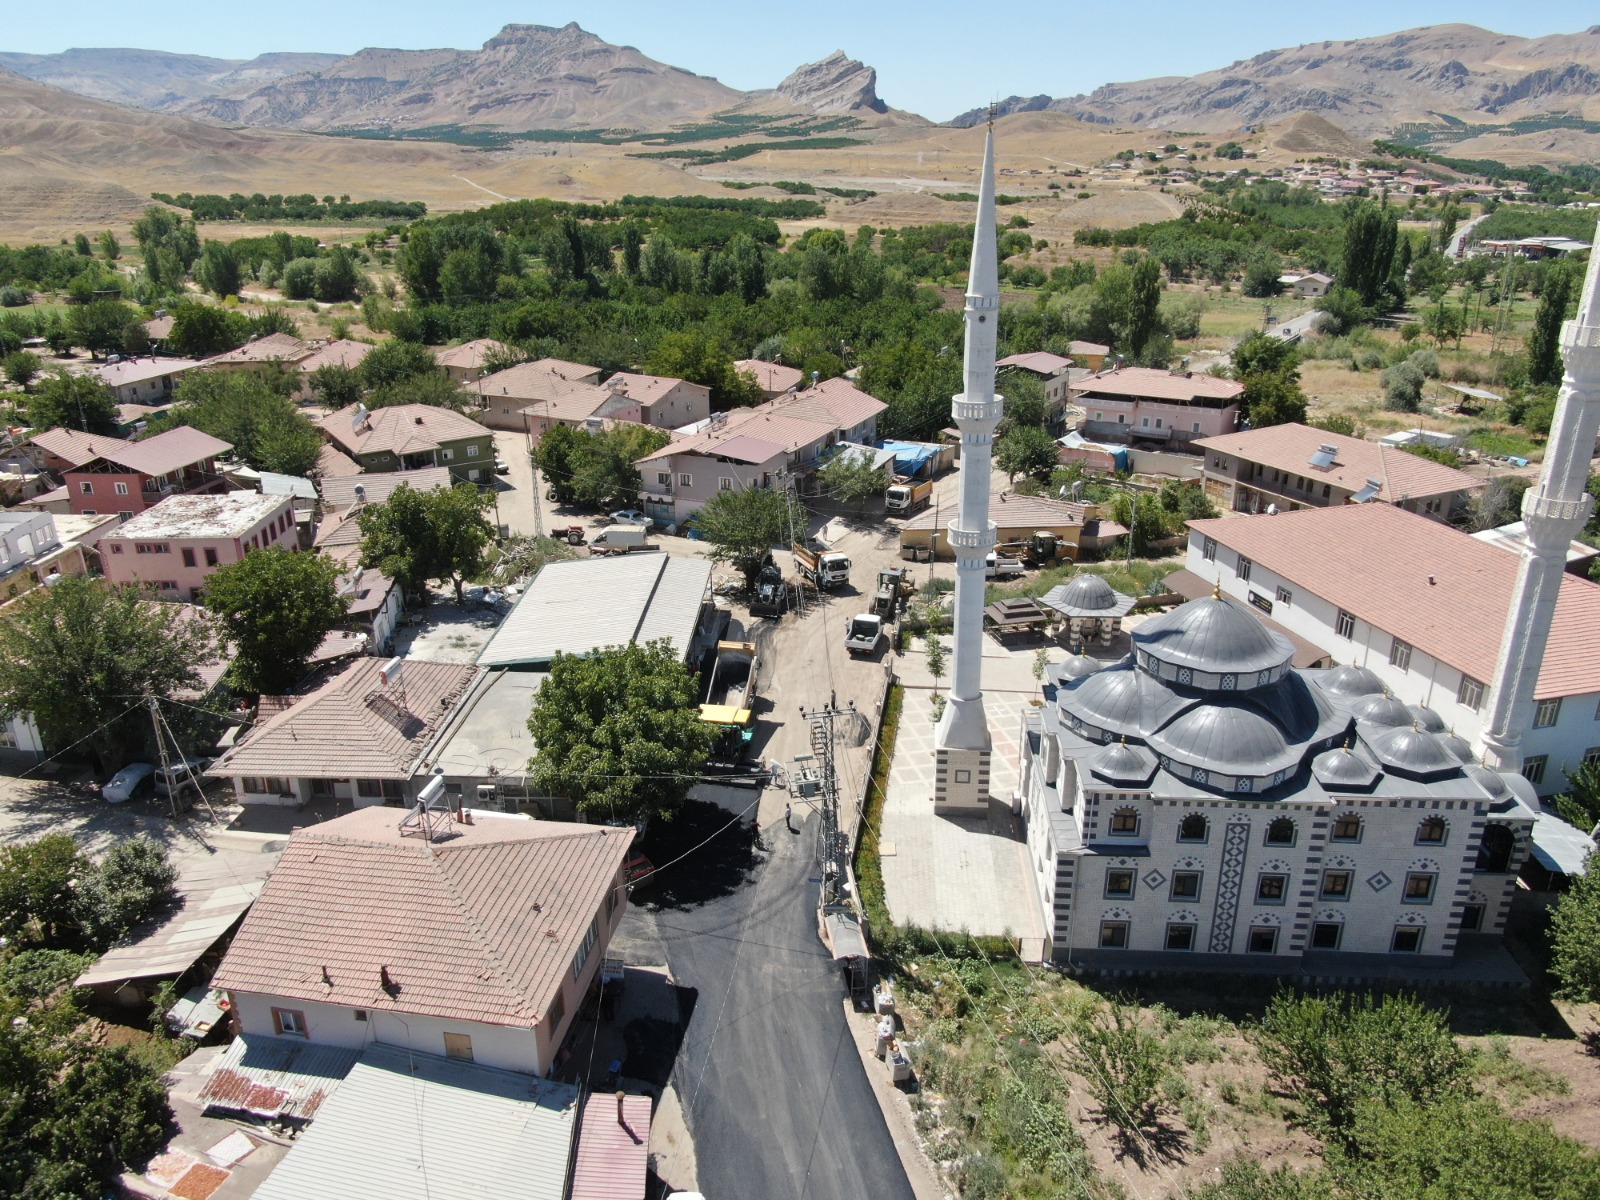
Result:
{"points": [[275, 1077], [173, 946], [582, 606], [1559, 847], [613, 1149], [406, 1126]]}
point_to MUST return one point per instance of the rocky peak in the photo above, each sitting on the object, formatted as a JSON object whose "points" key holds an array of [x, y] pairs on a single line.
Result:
{"points": [[537, 37], [835, 84]]}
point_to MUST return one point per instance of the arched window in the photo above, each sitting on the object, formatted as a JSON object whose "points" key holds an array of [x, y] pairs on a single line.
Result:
{"points": [[1431, 832], [1281, 832], [1346, 828], [1494, 852], [1125, 822], [1193, 828]]}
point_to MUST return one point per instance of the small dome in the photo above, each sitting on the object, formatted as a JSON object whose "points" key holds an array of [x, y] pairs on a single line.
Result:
{"points": [[1383, 710], [1459, 746], [1488, 780], [1122, 763], [1426, 718], [1415, 751], [1230, 738], [1343, 769], [1079, 666], [1106, 699], [1212, 635], [1089, 591], [1351, 680]]}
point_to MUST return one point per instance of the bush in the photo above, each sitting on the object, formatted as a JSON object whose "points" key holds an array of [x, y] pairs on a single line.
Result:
{"points": [[1426, 361], [36, 975], [12, 296], [134, 882], [300, 279], [1402, 386]]}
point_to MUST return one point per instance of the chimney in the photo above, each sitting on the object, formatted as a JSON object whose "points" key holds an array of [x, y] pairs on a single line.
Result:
{"points": [[418, 420]]}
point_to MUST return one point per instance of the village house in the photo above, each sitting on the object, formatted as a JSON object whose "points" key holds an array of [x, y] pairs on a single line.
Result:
{"points": [[465, 362], [1306, 287], [405, 437], [40, 546], [260, 353], [469, 936], [1422, 607], [534, 397], [128, 477], [146, 381], [1294, 466], [1056, 374], [1091, 355], [773, 378], [174, 546], [1149, 405], [663, 402], [1016, 519]]}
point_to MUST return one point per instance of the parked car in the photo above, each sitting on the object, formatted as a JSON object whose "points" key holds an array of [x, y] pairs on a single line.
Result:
{"points": [[128, 783], [501, 467], [181, 773], [632, 516]]}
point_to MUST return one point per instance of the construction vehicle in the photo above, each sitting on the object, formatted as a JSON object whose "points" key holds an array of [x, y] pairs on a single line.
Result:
{"points": [[864, 633], [572, 535], [997, 566], [771, 598], [824, 568], [905, 496], [894, 589], [1042, 549]]}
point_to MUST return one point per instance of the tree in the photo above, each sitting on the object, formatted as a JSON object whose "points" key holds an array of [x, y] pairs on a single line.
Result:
{"points": [[252, 411], [394, 361], [218, 270], [1143, 516], [600, 466], [1338, 423], [334, 278], [39, 900], [701, 358], [1025, 402], [1244, 1178], [1579, 804], [1027, 450], [1544, 340], [101, 326], [1262, 272], [1340, 311], [461, 532], [111, 1112], [1274, 398], [417, 536], [133, 882], [275, 606], [1402, 386], [619, 732], [553, 456], [336, 386], [1260, 354], [1122, 1064], [66, 401], [934, 649], [73, 654], [744, 524], [1575, 935], [1370, 234], [1499, 503], [200, 330], [850, 478], [22, 367]]}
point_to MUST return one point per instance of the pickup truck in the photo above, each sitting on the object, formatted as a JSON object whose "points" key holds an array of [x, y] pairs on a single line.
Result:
{"points": [[824, 568], [996, 567], [905, 496], [864, 633]]}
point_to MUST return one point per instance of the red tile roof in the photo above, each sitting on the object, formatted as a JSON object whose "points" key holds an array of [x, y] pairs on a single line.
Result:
{"points": [[479, 924], [773, 377], [833, 400], [332, 461], [469, 355], [400, 429], [339, 353], [1374, 560], [1148, 383], [71, 446], [275, 347], [179, 447], [645, 389], [1039, 362], [1009, 513], [1290, 447]]}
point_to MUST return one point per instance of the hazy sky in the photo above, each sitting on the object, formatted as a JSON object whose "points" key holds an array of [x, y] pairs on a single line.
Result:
{"points": [[934, 57]]}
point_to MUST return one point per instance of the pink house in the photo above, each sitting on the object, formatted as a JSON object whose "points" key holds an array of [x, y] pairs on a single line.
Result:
{"points": [[1148, 404], [173, 547]]}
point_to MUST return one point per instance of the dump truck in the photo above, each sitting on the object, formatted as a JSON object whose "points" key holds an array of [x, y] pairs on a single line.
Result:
{"points": [[771, 598], [905, 496], [894, 588], [824, 568], [730, 674], [864, 633]]}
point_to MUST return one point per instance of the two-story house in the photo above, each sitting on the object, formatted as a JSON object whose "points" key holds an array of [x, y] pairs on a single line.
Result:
{"points": [[173, 547], [1296, 466], [663, 402], [1150, 405], [128, 477], [466, 362], [472, 936], [405, 437], [1423, 607], [146, 381], [260, 353]]}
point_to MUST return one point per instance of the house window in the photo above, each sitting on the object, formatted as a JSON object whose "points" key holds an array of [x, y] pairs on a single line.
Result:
{"points": [[473, 474], [685, 480], [289, 1022], [664, 479], [458, 1045], [1121, 419], [1533, 767], [1158, 422], [1119, 883], [1419, 887], [1193, 828], [1113, 935], [1591, 757], [359, 1014], [1180, 937], [116, 547], [1244, 568], [1400, 654], [166, 585], [188, 557], [120, 489], [1547, 713], [1470, 693], [1125, 822], [1407, 939], [1208, 549], [1431, 832], [1185, 885], [472, 452], [380, 789], [86, 488], [1263, 940], [1347, 828], [1496, 850], [724, 484], [1471, 918], [1285, 596], [447, 453], [1345, 625], [1335, 885], [1327, 491], [211, 556], [558, 1009], [582, 956], [1281, 832], [1196, 427], [1325, 935], [1270, 888]]}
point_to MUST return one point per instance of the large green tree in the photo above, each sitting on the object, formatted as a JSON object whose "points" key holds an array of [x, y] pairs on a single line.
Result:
{"points": [[78, 656], [1027, 450], [417, 536], [67, 401], [619, 732], [200, 330], [393, 361], [1370, 234], [275, 606], [701, 358], [102, 326], [55, 897], [743, 525], [850, 478], [1575, 935], [252, 411], [218, 270], [1544, 340]]}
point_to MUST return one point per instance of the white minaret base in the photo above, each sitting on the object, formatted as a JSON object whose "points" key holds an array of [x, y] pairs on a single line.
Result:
{"points": [[961, 758]]}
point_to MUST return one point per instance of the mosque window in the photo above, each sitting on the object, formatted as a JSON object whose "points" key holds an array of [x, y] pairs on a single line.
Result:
{"points": [[1470, 693], [1281, 832], [1431, 832], [1347, 828], [1193, 828], [1125, 822]]}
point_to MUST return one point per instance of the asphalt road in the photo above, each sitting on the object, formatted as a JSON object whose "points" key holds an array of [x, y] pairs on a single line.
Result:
{"points": [[773, 1090]]}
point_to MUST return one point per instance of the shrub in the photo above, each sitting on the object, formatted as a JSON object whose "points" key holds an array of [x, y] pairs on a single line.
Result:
{"points": [[1426, 361], [1402, 386]]}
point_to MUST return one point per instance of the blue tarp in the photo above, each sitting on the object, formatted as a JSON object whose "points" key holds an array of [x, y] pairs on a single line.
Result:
{"points": [[910, 457]]}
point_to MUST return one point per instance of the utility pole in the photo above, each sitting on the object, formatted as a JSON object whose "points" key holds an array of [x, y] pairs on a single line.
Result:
{"points": [[161, 754], [833, 843]]}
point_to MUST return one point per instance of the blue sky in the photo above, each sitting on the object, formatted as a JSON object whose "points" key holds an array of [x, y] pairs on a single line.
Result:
{"points": [[933, 57]]}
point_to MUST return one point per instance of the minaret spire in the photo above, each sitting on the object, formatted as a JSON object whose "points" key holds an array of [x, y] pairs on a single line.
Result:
{"points": [[961, 741], [1556, 510]]}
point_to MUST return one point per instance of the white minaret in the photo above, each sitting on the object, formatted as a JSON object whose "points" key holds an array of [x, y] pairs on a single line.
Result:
{"points": [[1556, 510], [961, 740]]}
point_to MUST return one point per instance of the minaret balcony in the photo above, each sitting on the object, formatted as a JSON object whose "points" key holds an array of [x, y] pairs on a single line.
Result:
{"points": [[972, 539], [1579, 337], [977, 410]]}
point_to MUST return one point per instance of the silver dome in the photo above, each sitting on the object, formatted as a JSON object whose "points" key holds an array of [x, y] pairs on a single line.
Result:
{"points": [[1122, 763], [1118, 699], [1232, 739], [1215, 637], [1351, 680], [1079, 666], [1459, 746], [1426, 718], [1343, 769], [1089, 591], [1488, 780], [1383, 710], [1413, 750]]}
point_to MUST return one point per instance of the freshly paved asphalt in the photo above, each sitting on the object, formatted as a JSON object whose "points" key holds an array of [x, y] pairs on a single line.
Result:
{"points": [[772, 1087]]}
